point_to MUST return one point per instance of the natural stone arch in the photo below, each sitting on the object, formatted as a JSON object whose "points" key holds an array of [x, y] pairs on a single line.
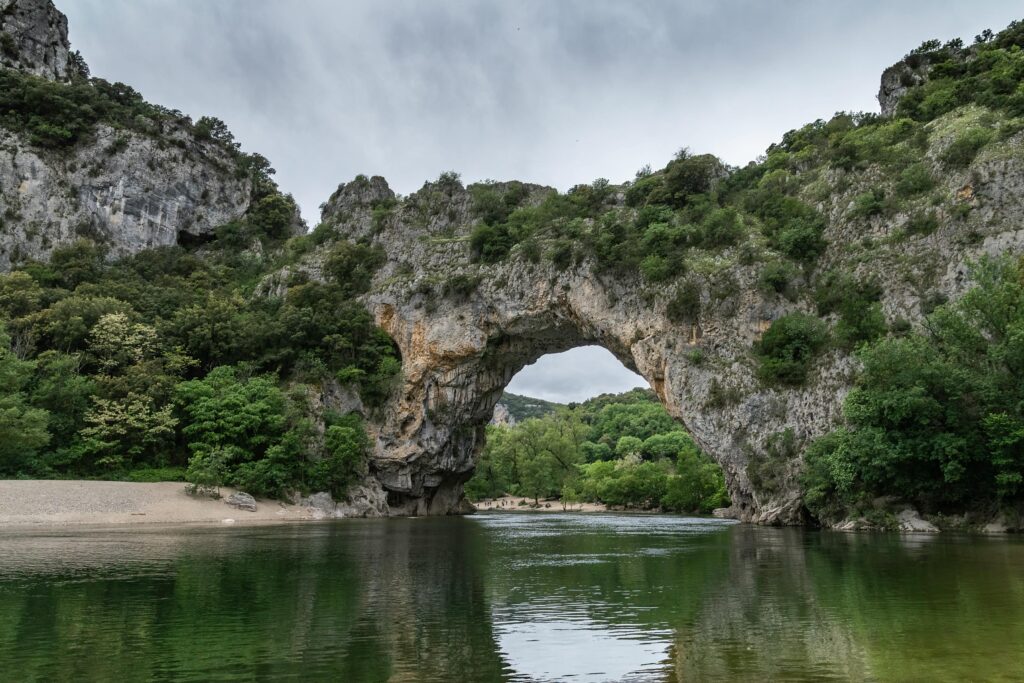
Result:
{"points": [[465, 329], [459, 358]]}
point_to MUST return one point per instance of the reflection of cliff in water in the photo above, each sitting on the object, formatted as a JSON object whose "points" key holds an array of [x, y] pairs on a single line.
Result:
{"points": [[424, 589], [764, 616], [397, 600]]}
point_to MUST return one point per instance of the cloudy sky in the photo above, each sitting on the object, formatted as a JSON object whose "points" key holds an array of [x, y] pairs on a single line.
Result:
{"points": [[551, 91]]}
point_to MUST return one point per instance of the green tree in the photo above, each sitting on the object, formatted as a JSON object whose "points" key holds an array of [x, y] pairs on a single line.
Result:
{"points": [[935, 418], [23, 428]]}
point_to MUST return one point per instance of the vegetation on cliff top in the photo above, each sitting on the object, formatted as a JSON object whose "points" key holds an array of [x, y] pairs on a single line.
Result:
{"points": [[525, 407]]}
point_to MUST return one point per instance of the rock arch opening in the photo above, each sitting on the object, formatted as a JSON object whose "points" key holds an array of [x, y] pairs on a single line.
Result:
{"points": [[583, 432], [455, 373], [574, 376]]}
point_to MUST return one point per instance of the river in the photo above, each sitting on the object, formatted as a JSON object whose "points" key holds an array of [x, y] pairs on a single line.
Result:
{"points": [[509, 597]]}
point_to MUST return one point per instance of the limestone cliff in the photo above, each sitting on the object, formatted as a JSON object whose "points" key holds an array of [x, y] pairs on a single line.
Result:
{"points": [[146, 182], [34, 39]]}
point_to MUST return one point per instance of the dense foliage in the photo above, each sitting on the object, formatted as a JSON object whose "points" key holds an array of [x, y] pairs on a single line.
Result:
{"points": [[988, 73], [166, 360], [621, 450], [937, 417]]}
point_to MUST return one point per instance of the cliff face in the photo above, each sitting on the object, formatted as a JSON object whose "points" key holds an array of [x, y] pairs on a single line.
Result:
{"points": [[129, 188], [34, 38]]}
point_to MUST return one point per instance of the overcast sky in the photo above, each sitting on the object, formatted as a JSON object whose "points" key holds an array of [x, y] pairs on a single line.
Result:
{"points": [[551, 91]]}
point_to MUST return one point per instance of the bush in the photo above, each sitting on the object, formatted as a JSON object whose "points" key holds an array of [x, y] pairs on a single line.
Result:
{"points": [[867, 204], [656, 268], [490, 243], [684, 306], [273, 216], [346, 447], [787, 348], [791, 226], [776, 277], [722, 227], [914, 179], [687, 176], [860, 315], [351, 266], [961, 152]]}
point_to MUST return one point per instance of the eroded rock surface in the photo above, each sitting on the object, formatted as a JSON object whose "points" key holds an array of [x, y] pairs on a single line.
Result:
{"points": [[34, 38], [128, 189]]}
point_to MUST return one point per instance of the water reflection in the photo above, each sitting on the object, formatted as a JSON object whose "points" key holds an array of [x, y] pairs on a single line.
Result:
{"points": [[509, 597], [580, 649]]}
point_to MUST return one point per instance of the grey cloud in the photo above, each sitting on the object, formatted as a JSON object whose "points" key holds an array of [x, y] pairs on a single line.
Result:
{"points": [[551, 92]]}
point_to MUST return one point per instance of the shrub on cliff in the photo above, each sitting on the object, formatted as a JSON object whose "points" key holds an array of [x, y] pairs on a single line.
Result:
{"points": [[788, 347]]}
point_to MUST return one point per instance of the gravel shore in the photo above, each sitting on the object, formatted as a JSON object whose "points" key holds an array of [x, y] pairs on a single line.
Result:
{"points": [[64, 503]]}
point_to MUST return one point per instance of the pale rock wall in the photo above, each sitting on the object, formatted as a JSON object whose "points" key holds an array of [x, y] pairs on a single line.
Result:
{"points": [[34, 38], [130, 190]]}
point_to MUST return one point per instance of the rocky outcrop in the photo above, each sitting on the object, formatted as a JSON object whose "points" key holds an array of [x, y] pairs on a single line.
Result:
{"points": [[241, 501], [131, 190], [896, 81], [502, 416], [34, 38], [124, 189], [365, 499]]}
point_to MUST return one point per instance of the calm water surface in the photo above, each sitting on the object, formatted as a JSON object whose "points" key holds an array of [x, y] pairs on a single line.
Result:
{"points": [[548, 597]]}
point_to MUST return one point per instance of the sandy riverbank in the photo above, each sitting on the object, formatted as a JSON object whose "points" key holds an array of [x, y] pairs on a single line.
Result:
{"points": [[106, 503], [515, 504]]}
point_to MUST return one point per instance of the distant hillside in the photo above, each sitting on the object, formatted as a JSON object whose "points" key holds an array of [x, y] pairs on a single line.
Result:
{"points": [[524, 407], [638, 395], [521, 408]]}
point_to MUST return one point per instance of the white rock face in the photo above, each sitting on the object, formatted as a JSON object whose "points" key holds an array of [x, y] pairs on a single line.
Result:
{"points": [[502, 416], [34, 38], [131, 190], [126, 189], [910, 520]]}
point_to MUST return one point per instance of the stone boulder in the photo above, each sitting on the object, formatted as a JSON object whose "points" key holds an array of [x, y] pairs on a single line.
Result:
{"points": [[242, 501], [910, 520]]}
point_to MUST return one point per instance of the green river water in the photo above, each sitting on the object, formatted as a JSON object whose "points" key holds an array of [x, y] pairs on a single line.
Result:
{"points": [[509, 597]]}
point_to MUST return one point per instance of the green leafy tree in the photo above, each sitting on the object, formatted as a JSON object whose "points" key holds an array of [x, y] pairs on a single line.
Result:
{"points": [[787, 348], [935, 418], [23, 428]]}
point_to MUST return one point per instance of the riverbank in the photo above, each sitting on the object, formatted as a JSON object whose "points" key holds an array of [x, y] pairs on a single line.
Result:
{"points": [[107, 503], [518, 504]]}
